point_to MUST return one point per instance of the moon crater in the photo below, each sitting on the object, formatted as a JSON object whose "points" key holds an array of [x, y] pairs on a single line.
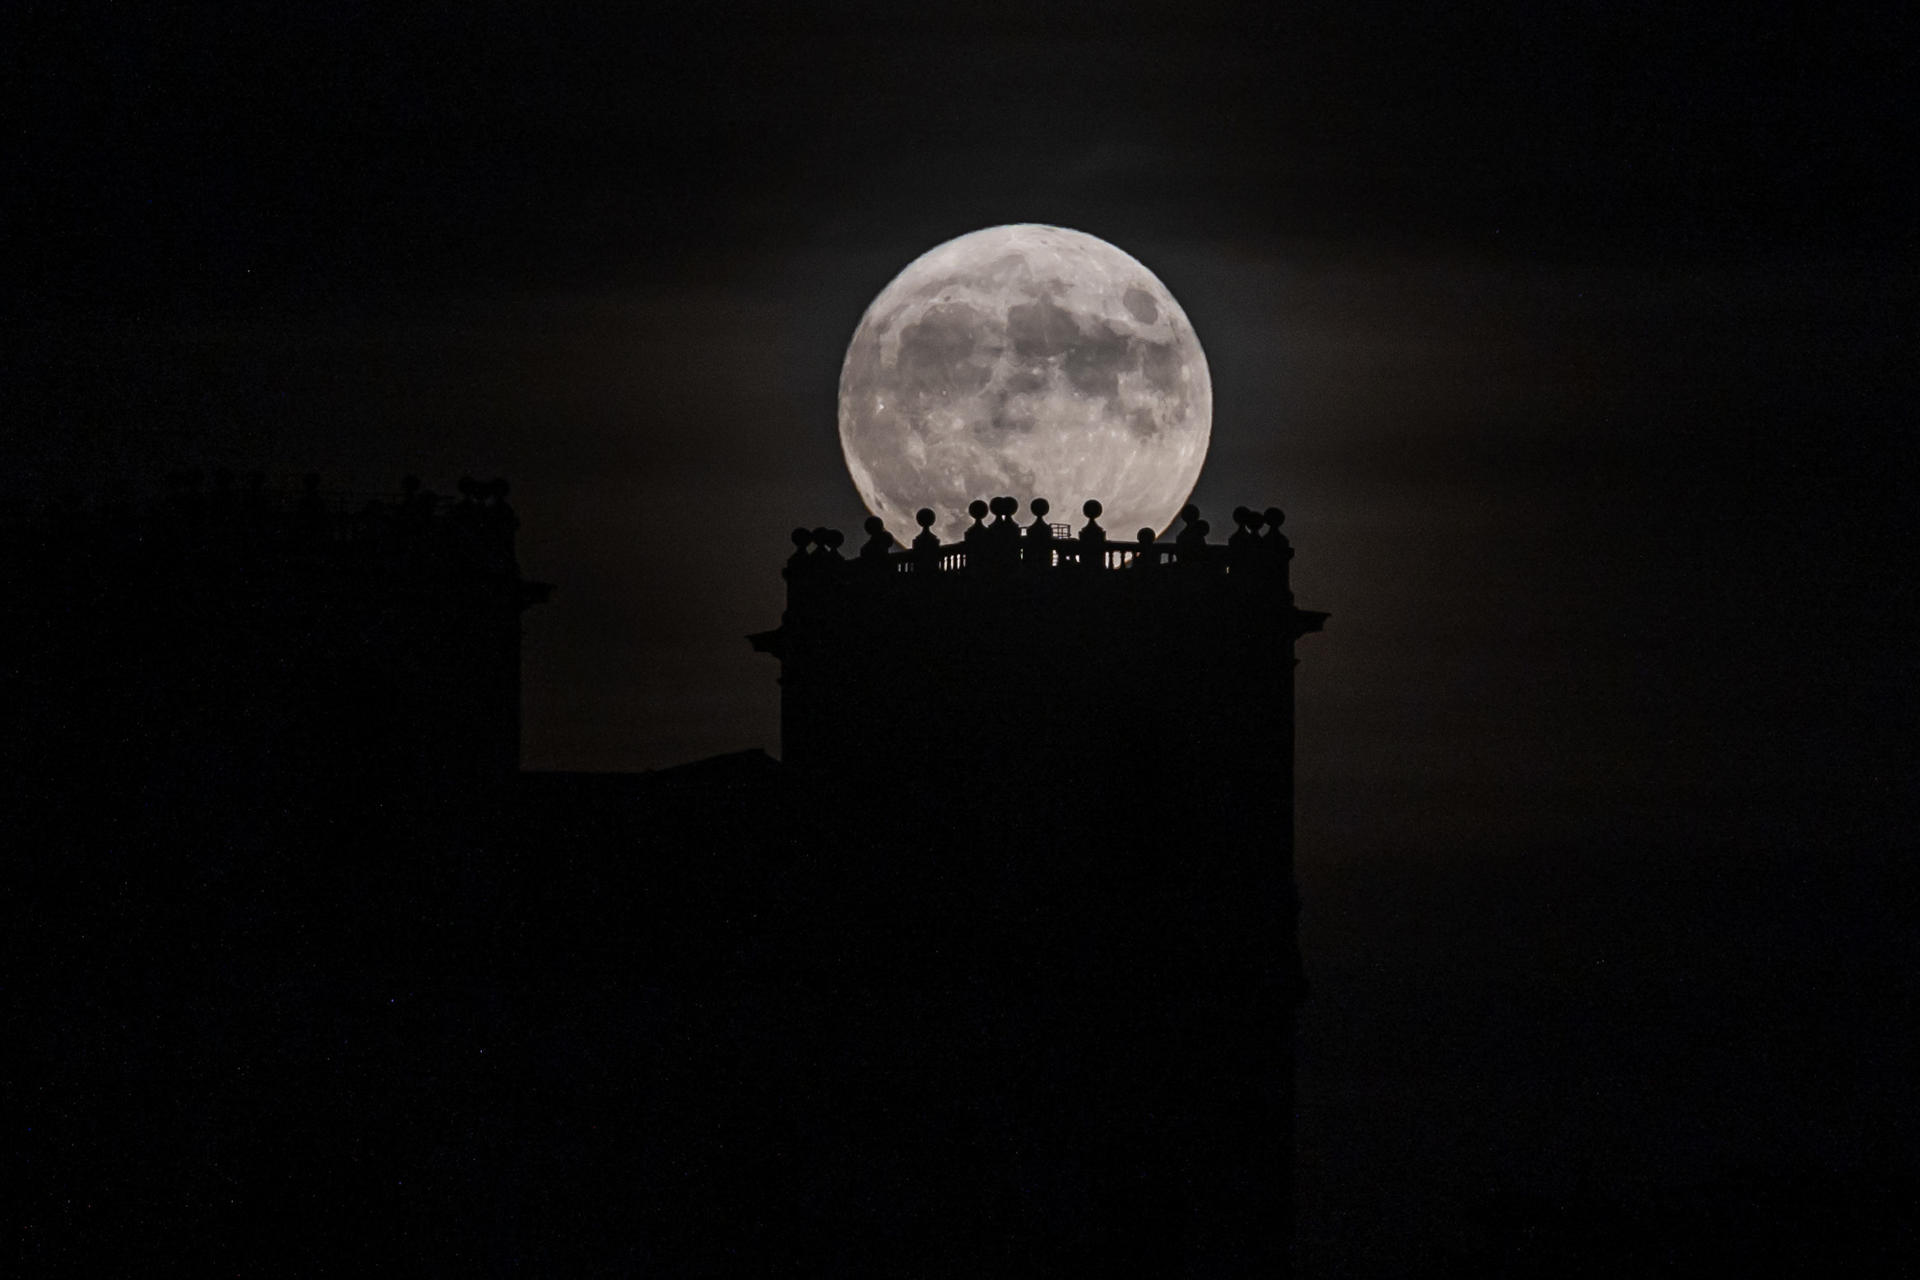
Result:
{"points": [[1027, 360]]}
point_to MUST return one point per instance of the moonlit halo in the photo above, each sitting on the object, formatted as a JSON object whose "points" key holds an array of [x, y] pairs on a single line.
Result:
{"points": [[1031, 361]]}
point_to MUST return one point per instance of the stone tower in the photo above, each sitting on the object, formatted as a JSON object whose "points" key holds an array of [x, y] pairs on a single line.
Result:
{"points": [[1069, 760]]}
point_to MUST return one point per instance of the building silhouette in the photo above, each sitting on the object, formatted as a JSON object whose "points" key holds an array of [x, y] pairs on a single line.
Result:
{"points": [[992, 973], [258, 663], [1069, 760]]}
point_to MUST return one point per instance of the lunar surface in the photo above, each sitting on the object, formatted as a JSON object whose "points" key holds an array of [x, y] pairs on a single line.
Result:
{"points": [[1029, 361]]}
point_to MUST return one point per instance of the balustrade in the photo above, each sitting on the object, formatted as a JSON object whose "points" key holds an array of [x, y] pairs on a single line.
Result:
{"points": [[1007, 548]]}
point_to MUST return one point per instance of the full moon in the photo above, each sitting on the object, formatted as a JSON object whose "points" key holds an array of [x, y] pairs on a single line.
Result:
{"points": [[1029, 361]]}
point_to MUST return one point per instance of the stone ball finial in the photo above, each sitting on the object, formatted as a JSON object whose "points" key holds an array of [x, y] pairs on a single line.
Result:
{"points": [[1276, 517], [830, 539], [1040, 507], [1144, 537], [1202, 528], [977, 508], [1190, 513], [801, 537], [1242, 516], [1255, 519], [1091, 508], [873, 525], [925, 517]]}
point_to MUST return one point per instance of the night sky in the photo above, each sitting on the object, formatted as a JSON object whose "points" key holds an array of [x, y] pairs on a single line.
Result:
{"points": [[1577, 340]]}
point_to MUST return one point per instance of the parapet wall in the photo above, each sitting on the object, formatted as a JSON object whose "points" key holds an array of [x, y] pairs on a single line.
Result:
{"points": [[945, 656], [256, 534], [1004, 546]]}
